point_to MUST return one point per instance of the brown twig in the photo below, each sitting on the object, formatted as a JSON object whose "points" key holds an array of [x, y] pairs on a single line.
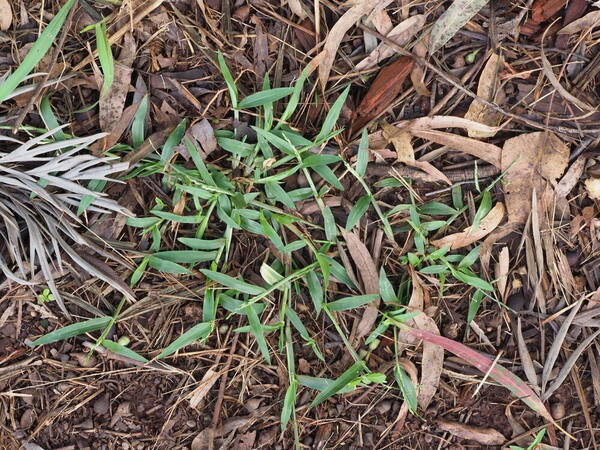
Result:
{"points": [[40, 86]]}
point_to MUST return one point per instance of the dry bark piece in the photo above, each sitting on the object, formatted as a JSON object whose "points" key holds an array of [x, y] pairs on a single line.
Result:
{"points": [[5, 15], [532, 161], [381, 94], [488, 89], [488, 224], [485, 436]]}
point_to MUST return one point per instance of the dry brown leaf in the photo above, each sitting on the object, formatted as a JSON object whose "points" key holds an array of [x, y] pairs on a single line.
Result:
{"points": [[401, 141], [381, 21], [432, 359], [296, 7], [370, 278], [417, 75], [204, 133], [488, 89], [502, 269], [566, 185], [208, 380], [112, 104], [488, 152], [338, 31], [428, 168], [485, 436], [400, 34], [5, 15], [586, 23], [533, 160], [468, 236]]}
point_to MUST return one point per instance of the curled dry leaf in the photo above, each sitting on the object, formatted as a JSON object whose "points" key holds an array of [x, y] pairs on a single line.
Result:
{"points": [[370, 278], [5, 15], [534, 160], [488, 224], [453, 19], [488, 89], [111, 105], [485, 436], [585, 23], [495, 371], [488, 152], [430, 169], [204, 133], [338, 31], [400, 34]]}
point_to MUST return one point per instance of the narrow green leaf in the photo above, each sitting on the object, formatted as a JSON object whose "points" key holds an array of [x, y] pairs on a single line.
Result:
{"points": [[50, 119], [186, 256], [172, 141], [202, 244], [264, 97], [357, 211], [407, 387], [107, 62], [176, 217], [341, 382], [295, 98], [315, 290], [258, 333], [209, 306], [74, 329], [119, 349], [138, 126], [362, 157], [346, 303], [330, 226], [484, 208], [289, 404], [385, 288], [197, 332], [167, 266], [142, 222], [233, 283], [437, 209], [228, 80], [470, 258], [332, 115], [474, 305], [138, 273], [37, 51], [473, 281]]}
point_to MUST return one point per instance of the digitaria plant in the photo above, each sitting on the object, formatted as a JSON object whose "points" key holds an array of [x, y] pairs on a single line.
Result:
{"points": [[40, 190]]}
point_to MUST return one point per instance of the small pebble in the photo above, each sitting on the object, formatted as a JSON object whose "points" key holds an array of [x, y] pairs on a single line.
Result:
{"points": [[384, 406], [558, 410], [101, 404]]}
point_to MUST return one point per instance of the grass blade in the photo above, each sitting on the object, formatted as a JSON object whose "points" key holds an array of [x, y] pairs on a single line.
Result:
{"points": [[346, 303], [119, 349], [197, 332], [264, 97], [74, 329], [105, 56], [233, 283], [37, 52], [341, 382]]}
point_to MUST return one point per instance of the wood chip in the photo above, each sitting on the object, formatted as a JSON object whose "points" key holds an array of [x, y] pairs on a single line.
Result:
{"points": [[5, 15]]}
